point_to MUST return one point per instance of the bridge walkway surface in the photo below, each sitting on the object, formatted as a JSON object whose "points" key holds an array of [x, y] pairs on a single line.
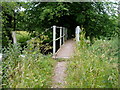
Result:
{"points": [[66, 50]]}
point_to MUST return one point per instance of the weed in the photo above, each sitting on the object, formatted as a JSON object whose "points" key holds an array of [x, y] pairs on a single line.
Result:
{"points": [[30, 70], [94, 66]]}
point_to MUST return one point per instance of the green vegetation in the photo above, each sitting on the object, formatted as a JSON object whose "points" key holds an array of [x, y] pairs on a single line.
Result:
{"points": [[95, 62], [94, 66], [33, 70], [97, 18], [22, 36]]}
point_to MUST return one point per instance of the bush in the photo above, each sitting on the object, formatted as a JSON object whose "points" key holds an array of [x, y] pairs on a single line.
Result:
{"points": [[95, 66], [37, 43], [36, 40], [30, 70], [22, 36]]}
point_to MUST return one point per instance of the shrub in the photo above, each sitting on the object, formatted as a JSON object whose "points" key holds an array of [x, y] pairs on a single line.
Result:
{"points": [[95, 66], [30, 70], [40, 45], [22, 36]]}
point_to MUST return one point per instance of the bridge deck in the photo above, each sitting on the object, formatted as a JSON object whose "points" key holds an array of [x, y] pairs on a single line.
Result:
{"points": [[66, 50]]}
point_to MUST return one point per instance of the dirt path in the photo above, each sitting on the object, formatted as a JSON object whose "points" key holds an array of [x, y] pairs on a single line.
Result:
{"points": [[59, 71], [66, 51]]}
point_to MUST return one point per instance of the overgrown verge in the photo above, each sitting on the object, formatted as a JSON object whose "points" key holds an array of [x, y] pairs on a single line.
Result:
{"points": [[30, 70], [36, 40], [94, 66]]}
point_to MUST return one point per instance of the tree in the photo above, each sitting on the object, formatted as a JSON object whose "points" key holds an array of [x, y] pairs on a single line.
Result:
{"points": [[9, 23], [96, 18], [92, 16]]}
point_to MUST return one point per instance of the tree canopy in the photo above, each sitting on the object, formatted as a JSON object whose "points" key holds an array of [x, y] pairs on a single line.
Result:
{"points": [[95, 18]]}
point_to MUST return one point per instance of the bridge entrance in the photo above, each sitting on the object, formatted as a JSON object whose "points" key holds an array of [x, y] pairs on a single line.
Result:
{"points": [[66, 46], [63, 46]]}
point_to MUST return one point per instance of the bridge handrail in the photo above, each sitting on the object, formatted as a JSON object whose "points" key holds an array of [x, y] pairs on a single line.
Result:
{"points": [[60, 37], [63, 34], [62, 30]]}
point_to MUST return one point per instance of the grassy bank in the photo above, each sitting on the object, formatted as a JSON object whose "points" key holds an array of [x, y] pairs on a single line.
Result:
{"points": [[33, 70], [94, 66]]}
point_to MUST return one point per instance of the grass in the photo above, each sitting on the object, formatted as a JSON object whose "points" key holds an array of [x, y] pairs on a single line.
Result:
{"points": [[33, 70], [94, 66]]}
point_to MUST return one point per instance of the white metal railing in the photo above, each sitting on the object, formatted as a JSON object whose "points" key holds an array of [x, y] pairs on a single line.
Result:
{"points": [[63, 34]]}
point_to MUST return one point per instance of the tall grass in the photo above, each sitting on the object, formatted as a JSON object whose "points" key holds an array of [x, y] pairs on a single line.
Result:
{"points": [[33, 70], [94, 66]]}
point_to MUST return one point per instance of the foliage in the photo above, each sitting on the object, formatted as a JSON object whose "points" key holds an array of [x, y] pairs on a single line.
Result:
{"points": [[98, 19], [10, 15], [26, 70], [22, 37], [42, 42], [94, 66], [38, 44]]}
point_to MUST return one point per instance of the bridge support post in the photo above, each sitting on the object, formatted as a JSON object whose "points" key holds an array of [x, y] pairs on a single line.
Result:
{"points": [[54, 41], [77, 32], [14, 37], [60, 36]]}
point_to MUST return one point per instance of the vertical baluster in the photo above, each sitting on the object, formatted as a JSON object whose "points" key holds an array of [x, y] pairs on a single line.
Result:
{"points": [[54, 39], [60, 36], [63, 35]]}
